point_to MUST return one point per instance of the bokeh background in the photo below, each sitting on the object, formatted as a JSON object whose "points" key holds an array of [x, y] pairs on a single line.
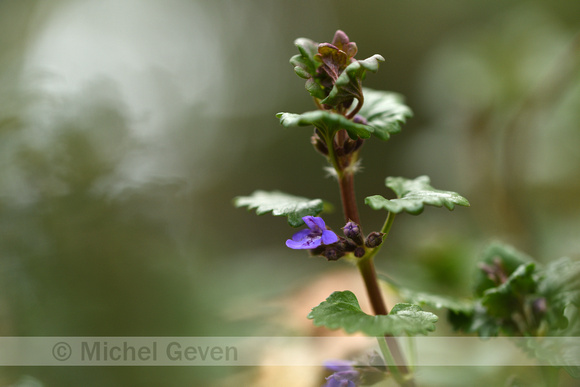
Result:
{"points": [[127, 128]]}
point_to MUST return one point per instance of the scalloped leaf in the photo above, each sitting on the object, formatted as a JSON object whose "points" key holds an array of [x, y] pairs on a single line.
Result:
{"points": [[561, 351], [305, 65], [281, 204], [305, 60], [503, 258], [342, 310], [328, 122], [348, 85], [560, 284], [433, 300], [502, 300], [384, 112], [413, 195]]}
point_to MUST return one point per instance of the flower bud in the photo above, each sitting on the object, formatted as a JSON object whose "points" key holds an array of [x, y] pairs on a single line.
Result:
{"points": [[347, 245], [333, 253], [351, 146], [359, 252], [352, 231], [317, 251], [318, 144], [374, 239], [540, 306]]}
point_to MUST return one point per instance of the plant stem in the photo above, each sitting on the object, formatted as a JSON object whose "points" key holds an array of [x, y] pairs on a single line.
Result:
{"points": [[390, 361], [347, 195], [359, 104], [367, 268]]}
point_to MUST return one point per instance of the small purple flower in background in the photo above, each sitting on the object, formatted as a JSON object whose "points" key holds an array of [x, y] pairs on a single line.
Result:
{"points": [[316, 235], [344, 374]]}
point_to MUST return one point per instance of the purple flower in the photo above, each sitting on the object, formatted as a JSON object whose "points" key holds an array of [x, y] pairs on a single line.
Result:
{"points": [[344, 376], [338, 365], [316, 235]]}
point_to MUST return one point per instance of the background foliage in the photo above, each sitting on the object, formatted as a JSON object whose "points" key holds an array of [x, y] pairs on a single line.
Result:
{"points": [[126, 128]]}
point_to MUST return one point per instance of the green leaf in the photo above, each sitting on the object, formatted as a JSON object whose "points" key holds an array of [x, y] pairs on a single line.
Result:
{"points": [[560, 285], [342, 310], [304, 62], [432, 300], [561, 282], [328, 122], [436, 301], [501, 258], [503, 300], [477, 321], [281, 204], [516, 296], [305, 65], [413, 195], [555, 351], [348, 85], [384, 112]]}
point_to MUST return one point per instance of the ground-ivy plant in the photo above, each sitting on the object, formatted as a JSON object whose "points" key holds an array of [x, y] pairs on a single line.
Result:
{"points": [[346, 115], [515, 296]]}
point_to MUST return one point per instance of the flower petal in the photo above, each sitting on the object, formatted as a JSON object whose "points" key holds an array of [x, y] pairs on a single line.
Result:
{"points": [[329, 237], [307, 243], [319, 224], [311, 222], [300, 235], [335, 380], [338, 365]]}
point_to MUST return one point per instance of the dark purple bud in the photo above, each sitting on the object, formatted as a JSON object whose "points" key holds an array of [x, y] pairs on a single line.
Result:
{"points": [[333, 253], [319, 145], [358, 144], [347, 245], [338, 147], [540, 306], [352, 231], [374, 239], [359, 252], [351, 146], [317, 251]]}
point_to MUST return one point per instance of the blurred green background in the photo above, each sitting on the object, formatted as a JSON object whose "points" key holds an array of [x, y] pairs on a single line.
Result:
{"points": [[127, 127]]}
